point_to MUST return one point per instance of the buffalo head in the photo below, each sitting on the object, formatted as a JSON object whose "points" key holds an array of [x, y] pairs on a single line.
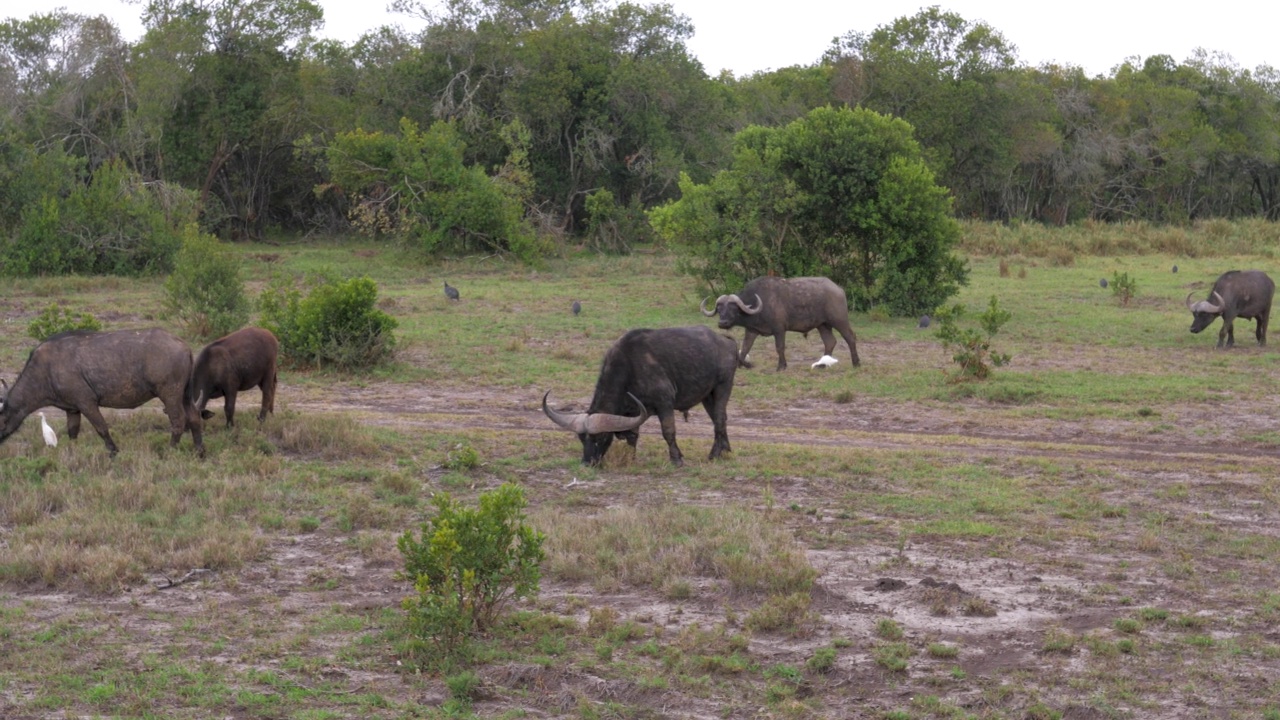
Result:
{"points": [[731, 309], [1204, 312], [596, 430]]}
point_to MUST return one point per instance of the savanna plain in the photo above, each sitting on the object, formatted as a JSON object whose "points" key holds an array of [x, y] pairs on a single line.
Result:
{"points": [[1092, 532]]}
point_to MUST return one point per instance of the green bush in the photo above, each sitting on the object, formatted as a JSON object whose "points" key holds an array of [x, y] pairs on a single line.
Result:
{"points": [[1123, 287], [336, 325], [972, 346], [205, 292], [466, 564], [55, 320], [114, 225]]}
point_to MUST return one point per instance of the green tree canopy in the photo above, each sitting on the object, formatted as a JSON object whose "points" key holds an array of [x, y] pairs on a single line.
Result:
{"points": [[842, 193]]}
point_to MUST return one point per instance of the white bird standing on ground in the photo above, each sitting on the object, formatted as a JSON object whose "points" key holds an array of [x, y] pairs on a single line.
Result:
{"points": [[50, 437], [824, 362]]}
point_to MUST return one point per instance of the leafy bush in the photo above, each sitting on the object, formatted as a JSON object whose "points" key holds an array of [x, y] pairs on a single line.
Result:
{"points": [[1123, 287], [205, 291], [416, 185], [466, 565], [842, 193], [336, 325], [972, 347], [55, 319], [114, 225]]}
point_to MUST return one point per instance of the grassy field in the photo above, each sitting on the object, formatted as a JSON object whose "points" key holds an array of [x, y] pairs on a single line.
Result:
{"points": [[1090, 533]]}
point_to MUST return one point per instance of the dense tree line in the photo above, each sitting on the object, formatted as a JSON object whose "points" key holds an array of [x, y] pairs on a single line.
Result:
{"points": [[584, 115]]}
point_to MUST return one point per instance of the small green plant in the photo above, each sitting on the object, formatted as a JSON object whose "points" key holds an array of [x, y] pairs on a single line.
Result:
{"points": [[462, 687], [338, 323], [1123, 287], [1058, 640], [56, 320], [888, 629], [780, 612], [205, 292], [823, 660], [972, 347], [893, 656], [462, 457], [1128, 625], [466, 565], [942, 650]]}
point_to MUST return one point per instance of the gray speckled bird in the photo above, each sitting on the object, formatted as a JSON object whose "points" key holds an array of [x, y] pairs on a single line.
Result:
{"points": [[924, 321], [577, 307], [450, 292], [1102, 282]]}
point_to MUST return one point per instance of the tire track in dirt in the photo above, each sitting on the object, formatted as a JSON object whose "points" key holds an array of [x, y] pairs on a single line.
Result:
{"points": [[496, 410]]}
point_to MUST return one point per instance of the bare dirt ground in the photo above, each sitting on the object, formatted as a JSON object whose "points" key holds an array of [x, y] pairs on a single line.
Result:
{"points": [[927, 585]]}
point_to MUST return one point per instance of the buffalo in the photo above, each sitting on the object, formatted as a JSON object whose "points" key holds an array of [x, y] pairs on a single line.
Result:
{"points": [[243, 360], [1237, 293], [775, 306], [655, 372], [81, 372]]}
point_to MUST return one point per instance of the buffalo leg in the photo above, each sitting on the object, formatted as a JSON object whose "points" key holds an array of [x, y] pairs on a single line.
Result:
{"points": [[100, 424], [747, 341], [73, 424], [1261, 330], [668, 419], [268, 388], [716, 411], [1227, 333], [851, 340], [184, 417], [780, 343], [229, 407]]}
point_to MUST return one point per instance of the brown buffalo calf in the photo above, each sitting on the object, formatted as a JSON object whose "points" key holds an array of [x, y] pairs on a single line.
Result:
{"points": [[243, 360]]}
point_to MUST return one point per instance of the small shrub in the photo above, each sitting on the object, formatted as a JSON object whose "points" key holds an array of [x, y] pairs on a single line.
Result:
{"points": [[892, 656], [1123, 287], [1004, 267], [462, 457], [972, 347], [823, 660], [1058, 640], [338, 324], [205, 292], [463, 686], [466, 565], [888, 629], [788, 612], [942, 650], [55, 320]]}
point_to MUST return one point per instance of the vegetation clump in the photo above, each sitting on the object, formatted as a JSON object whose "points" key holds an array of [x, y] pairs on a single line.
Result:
{"points": [[205, 292], [56, 319], [971, 347], [842, 193], [466, 565], [337, 324], [1123, 287]]}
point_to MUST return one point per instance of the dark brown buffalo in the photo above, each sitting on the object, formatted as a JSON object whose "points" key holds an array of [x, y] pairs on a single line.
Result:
{"points": [[775, 306], [82, 371], [656, 372], [1237, 294], [241, 361]]}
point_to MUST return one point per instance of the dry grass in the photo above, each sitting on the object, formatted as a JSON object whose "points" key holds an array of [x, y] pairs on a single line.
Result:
{"points": [[654, 546]]}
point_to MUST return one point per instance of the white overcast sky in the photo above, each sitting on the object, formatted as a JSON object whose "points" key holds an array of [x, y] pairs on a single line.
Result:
{"points": [[745, 36]]}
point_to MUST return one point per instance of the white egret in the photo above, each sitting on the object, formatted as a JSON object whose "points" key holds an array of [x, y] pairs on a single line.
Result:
{"points": [[50, 437], [824, 362]]}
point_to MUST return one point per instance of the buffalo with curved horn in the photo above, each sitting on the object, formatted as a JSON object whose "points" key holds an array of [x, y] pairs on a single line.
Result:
{"points": [[660, 371], [1236, 294], [784, 305]]}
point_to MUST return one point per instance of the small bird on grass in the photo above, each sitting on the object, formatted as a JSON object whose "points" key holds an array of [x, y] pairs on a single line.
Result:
{"points": [[50, 437], [450, 291], [824, 362], [924, 321], [1175, 268], [577, 307], [1102, 282]]}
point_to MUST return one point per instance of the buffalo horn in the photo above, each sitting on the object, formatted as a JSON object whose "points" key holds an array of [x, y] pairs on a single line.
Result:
{"points": [[1205, 305], [749, 310], [703, 306], [595, 423]]}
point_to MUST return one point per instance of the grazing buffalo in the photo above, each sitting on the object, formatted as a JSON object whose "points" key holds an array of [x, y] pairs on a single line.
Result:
{"points": [[656, 372], [1237, 293], [775, 306], [82, 371], [243, 360]]}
